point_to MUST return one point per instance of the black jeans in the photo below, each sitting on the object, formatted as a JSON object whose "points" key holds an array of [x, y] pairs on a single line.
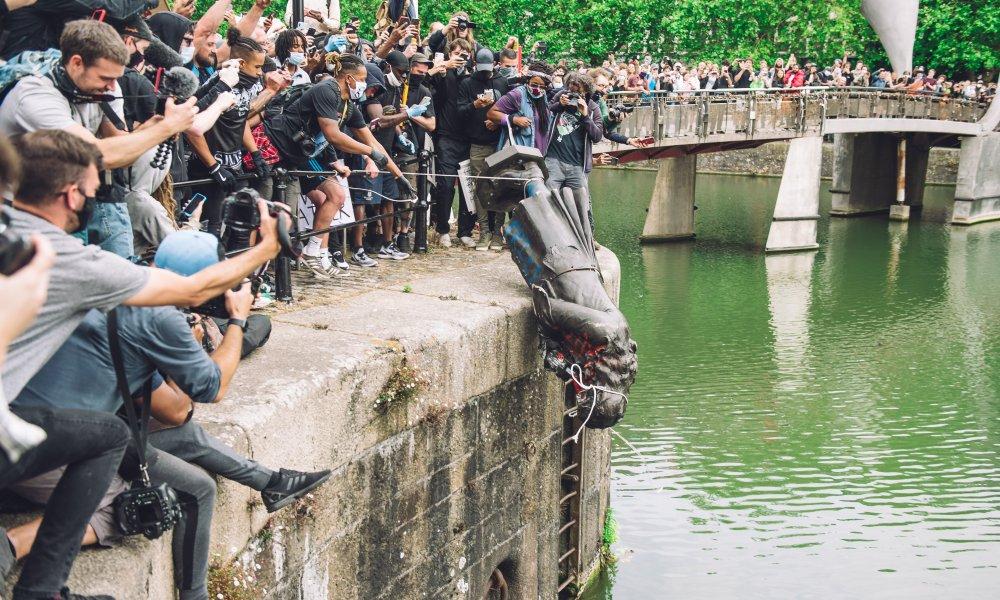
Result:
{"points": [[448, 153], [91, 445]]}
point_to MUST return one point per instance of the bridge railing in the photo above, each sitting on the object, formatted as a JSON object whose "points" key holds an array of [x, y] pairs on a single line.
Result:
{"points": [[766, 113]]}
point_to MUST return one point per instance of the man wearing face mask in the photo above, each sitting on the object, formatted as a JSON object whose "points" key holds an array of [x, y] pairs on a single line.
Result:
{"points": [[475, 97], [508, 64], [217, 154]]}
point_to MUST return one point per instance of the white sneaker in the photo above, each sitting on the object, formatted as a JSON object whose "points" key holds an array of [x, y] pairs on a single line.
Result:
{"points": [[467, 241], [363, 260], [391, 251], [444, 240]]}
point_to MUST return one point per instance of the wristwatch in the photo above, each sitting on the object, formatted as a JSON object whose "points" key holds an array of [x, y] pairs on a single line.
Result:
{"points": [[241, 323]]}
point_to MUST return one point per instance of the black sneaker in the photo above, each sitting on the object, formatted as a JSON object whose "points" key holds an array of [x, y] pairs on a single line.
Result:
{"points": [[292, 486], [65, 594], [403, 243]]}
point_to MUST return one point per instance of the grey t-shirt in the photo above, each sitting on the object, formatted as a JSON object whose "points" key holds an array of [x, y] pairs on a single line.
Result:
{"points": [[81, 374], [83, 277], [35, 103]]}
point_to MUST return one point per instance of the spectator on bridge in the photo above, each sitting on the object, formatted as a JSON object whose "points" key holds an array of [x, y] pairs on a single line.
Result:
{"points": [[795, 77]]}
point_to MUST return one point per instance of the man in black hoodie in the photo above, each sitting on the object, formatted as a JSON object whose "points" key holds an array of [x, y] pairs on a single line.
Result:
{"points": [[451, 143], [475, 97]]}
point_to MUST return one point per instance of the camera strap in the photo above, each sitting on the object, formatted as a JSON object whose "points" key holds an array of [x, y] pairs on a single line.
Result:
{"points": [[138, 424]]}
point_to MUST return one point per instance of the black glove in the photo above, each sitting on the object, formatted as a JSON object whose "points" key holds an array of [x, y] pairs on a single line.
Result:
{"points": [[260, 165], [224, 177], [406, 190], [381, 160]]}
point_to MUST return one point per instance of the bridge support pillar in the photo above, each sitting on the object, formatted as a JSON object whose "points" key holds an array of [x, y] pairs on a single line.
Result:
{"points": [[977, 189], [671, 210], [796, 213], [864, 173]]}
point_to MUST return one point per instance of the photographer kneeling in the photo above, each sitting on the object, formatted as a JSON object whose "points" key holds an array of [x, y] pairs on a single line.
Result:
{"points": [[159, 340]]}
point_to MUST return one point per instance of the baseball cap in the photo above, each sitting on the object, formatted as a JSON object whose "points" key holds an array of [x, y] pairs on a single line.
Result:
{"points": [[484, 60], [186, 252], [397, 59], [134, 26], [420, 57]]}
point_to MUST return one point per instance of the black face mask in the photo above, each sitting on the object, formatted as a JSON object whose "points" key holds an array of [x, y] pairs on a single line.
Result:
{"points": [[416, 80], [68, 89], [136, 59], [483, 75], [86, 211], [248, 81]]}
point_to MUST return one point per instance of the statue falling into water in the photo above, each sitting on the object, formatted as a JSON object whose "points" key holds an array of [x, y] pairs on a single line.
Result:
{"points": [[586, 339]]}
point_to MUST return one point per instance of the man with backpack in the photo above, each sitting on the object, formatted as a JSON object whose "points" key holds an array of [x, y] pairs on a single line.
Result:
{"points": [[308, 132]]}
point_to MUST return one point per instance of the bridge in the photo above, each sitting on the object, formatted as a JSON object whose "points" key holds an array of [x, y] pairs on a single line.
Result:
{"points": [[881, 143]]}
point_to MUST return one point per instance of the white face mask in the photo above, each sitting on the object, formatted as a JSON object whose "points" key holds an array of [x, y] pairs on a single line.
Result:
{"points": [[358, 91], [296, 58], [187, 54], [392, 80]]}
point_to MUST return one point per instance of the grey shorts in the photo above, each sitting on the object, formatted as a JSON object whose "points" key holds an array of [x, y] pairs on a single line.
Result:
{"points": [[39, 489]]}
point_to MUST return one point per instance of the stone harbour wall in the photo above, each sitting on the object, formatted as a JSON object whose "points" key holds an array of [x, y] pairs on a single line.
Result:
{"points": [[769, 160], [430, 496]]}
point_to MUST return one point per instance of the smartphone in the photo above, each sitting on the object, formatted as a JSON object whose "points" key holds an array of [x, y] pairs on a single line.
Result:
{"points": [[648, 140], [302, 26], [192, 204], [438, 57]]}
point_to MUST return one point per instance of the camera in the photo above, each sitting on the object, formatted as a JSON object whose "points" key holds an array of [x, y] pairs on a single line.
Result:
{"points": [[15, 250], [618, 110], [305, 141], [241, 217], [464, 23], [572, 97], [151, 511]]}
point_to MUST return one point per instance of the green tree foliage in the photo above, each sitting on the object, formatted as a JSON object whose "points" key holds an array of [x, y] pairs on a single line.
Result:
{"points": [[958, 37]]}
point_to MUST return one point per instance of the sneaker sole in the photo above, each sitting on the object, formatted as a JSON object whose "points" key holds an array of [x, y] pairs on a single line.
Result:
{"points": [[318, 274], [368, 266], [280, 504]]}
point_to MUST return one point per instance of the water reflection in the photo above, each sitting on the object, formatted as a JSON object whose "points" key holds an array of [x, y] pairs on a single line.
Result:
{"points": [[821, 425]]}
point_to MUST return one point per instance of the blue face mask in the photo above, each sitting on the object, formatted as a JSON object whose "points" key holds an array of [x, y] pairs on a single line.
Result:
{"points": [[296, 58]]}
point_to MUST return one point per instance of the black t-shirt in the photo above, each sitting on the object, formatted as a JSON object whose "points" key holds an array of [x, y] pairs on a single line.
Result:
{"points": [[322, 100], [568, 140], [138, 97], [227, 133], [390, 100], [446, 100], [743, 81]]}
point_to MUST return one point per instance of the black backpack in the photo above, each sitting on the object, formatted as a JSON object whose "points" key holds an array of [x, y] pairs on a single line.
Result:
{"points": [[280, 103]]}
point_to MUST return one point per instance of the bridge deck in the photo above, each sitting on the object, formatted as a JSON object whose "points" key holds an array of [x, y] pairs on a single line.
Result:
{"points": [[726, 120]]}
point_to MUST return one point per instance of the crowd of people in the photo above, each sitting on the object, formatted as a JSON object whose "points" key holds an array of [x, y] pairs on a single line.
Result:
{"points": [[645, 75], [130, 143]]}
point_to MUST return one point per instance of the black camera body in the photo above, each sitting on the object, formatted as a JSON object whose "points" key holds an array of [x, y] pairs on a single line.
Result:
{"points": [[618, 110], [15, 250], [151, 511], [464, 24], [241, 217]]}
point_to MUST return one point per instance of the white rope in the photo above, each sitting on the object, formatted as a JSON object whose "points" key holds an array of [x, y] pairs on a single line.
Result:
{"points": [[576, 374]]}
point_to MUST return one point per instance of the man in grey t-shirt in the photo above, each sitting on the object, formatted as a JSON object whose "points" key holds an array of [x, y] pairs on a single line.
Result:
{"points": [[70, 98]]}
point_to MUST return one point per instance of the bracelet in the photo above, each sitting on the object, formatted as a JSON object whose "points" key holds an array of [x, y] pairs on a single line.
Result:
{"points": [[241, 323]]}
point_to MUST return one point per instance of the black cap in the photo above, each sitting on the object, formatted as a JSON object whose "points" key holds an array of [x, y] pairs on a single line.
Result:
{"points": [[398, 59], [134, 26]]}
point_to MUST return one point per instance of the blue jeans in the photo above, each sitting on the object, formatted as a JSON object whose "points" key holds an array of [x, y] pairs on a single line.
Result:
{"points": [[111, 229], [91, 445]]}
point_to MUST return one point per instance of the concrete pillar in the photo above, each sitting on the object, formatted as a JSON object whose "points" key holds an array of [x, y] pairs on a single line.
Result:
{"points": [[796, 213], [671, 210], [917, 152], [864, 173], [977, 188]]}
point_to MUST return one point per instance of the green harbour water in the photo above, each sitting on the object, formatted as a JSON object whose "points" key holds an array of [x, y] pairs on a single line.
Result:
{"points": [[812, 425]]}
